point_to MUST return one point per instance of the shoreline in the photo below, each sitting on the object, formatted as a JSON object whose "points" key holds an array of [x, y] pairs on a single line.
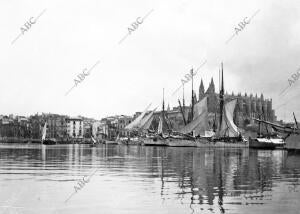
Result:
{"points": [[8, 140]]}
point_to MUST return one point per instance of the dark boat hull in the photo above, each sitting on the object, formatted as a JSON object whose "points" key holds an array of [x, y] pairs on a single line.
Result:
{"points": [[255, 144], [49, 142]]}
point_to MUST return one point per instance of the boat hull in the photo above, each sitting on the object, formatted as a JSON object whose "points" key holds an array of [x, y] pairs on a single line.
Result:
{"points": [[137, 141], [154, 141], [173, 142], [49, 142], [222, 144], [110, 142], [206, 143], [293, 142], [200, 142], [261, 143]]}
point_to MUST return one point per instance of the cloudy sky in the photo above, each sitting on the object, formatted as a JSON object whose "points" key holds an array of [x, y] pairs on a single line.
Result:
{"points": [[39, 68]]}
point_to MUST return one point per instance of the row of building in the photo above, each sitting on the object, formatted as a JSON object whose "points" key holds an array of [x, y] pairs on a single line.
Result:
{"points": [[64, 127]]}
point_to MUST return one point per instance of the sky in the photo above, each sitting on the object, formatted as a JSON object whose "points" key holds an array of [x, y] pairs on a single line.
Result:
{"points": [[70, 37]]}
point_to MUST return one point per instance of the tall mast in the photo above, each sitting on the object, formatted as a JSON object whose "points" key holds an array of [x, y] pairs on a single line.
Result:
{"points": [[163, 103], [296, 123], [182, 112], [259, 127], [182, 108], [183, 103], [192, 110], [221, 96]]}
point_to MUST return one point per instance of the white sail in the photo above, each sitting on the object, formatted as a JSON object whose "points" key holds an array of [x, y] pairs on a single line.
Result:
{"points": [[200, 123], [148, 123], [160, 126], [136, 123], [200, 107], [44, 132], [147, 120], [227, 127]]}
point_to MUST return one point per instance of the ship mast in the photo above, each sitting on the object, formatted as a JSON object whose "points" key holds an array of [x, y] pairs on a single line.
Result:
{"points": [[221, 95], [163, 103], [296, 123], [192, 109], [183, 105], [164, 122]]}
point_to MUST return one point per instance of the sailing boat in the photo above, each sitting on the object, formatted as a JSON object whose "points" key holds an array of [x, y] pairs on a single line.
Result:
{"points": [[47, 141], [163, 131], [143, 129], [227, 133], [93, 142], [139, 124], [197, 123], [266, 141], [292, 133], [186, 136], [191, 135]]}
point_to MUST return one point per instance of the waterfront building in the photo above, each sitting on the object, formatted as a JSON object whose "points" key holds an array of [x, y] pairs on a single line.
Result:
{"points": [[109, 127], [87, 126], [96, 129], [36, 122], [74, 127], [114, 125], [103, 129], [122, 122], [56, 125], [14, 126]]}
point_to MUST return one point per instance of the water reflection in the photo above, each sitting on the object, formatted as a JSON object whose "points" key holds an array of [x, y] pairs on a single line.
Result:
{"points": [[135, 179]]}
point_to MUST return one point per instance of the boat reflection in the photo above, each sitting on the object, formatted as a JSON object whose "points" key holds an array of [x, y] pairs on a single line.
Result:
{"points": [[195, 180]]}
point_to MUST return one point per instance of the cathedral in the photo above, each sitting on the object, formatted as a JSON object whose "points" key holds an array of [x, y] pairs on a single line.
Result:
{"points": [[247, 107]]}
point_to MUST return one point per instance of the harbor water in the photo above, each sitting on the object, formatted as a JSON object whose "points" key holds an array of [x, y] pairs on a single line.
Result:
{"points": [[138, 179]]}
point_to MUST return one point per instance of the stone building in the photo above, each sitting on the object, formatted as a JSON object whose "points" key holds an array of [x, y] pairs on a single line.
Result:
{"points": [[248, 107], [14, 126], [114, 126], [74, 127], [56, 125]]}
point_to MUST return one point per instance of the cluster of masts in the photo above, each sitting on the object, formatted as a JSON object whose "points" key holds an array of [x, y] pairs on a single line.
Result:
{"points": [[197, 119]]}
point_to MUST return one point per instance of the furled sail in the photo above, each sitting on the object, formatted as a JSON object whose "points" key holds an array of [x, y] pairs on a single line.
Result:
{"points": [[227, 127], [44, 132], [147, 120], [136, 123], [200, 123]]}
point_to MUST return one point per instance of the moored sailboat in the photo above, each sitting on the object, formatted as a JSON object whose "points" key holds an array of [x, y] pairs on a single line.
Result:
{"points": [[138, 126], [190, 134], [227, 134], [47, 141], [266, 141], [163, 131]]}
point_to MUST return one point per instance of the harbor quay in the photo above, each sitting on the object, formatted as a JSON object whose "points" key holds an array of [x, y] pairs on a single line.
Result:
{"points": [[79, 130]]}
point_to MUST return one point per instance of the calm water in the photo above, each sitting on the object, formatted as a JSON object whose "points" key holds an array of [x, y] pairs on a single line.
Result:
{"points": [[36, 179]]}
